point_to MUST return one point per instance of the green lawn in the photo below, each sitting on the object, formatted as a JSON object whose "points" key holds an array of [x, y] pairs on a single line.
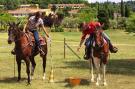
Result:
{"points": [[120, 69]]}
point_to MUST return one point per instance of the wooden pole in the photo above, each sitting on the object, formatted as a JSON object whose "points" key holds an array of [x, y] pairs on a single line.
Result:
{"points": [[14, 65], [72, 50], [64, 48]]}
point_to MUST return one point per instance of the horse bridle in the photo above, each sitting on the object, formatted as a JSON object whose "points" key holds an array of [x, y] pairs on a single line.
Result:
{"points": [[102, 41], [15, 40]]}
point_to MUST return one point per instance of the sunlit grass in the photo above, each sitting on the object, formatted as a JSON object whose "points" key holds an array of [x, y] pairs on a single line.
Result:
{"points": [[120, 68]]}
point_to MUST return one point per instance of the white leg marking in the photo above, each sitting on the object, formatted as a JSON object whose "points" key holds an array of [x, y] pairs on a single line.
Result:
{"points": [[44, 76]]}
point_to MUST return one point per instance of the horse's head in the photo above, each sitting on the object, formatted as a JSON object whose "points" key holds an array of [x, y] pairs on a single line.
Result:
{"points": [[98, 38], [12, 32]]}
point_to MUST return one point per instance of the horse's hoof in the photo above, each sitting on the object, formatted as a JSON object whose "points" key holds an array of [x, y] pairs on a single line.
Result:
{"points": [[97, 83], [104, 84], [18, 80], [32, 77], [28, 83], [92, 80], [43, 78]]}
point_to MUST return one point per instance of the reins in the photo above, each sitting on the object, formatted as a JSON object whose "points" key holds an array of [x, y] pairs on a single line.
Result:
{"points": [[29, 40]]}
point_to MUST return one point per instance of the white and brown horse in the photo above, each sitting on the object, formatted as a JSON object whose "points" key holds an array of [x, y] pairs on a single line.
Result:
{"points": [[99, 56]]}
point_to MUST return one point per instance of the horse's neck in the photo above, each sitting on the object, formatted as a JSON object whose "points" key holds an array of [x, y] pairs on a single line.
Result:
{"points": [[20, 39]]}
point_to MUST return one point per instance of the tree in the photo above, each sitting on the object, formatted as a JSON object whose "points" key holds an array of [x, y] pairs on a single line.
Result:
{"points": [[130, 25], [66, 11], [103, 18], [87, 15], [127, 11], [11, 4], [122, 8]]}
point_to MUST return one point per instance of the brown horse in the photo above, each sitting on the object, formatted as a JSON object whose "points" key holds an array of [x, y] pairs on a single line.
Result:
{"points": [[25, 50], [99, 57]]}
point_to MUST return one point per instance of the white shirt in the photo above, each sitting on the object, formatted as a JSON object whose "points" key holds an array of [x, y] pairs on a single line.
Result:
{"points": [[32, 24]]}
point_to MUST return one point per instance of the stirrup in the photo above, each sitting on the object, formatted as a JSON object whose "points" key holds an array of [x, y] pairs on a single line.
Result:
{"points": [[41, 51]]}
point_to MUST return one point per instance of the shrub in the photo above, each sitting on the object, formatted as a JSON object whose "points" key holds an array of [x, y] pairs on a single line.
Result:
{"points": [[103, 17], [70, 22], [113, 24], [121, 22], [57, 29], [130, 24]]}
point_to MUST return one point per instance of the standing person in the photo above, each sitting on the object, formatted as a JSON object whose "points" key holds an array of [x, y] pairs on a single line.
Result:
{"points": [[88, 29]]}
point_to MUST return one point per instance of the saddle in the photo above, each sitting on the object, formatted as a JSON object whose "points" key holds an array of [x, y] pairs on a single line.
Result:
{"points": [[89, 44], [32, 40]]}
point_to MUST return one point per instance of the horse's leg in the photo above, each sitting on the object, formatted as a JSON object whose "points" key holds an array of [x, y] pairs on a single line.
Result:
{"points": [[32, 67], [28, 68], [97, 65], [92, 70], [44, 66], [19, 68], [104, 73]]}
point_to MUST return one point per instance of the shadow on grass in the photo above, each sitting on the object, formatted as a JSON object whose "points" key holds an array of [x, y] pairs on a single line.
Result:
{"points": [[11, 80], [114, 66], [130, 31]]}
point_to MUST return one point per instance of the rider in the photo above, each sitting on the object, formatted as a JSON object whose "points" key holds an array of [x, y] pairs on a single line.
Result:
{"points": [[34, 22], [32, 25], [88, 29]]}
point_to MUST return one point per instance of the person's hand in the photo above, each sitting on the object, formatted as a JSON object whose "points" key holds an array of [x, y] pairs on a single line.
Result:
{"points": [[48, 36]]}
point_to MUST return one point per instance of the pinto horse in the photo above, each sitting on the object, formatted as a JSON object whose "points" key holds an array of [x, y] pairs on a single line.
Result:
{"points": [[25, 50], [99, 57]]}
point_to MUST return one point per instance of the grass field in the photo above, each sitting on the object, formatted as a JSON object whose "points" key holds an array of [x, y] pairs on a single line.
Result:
{"points": [[120, 68]]}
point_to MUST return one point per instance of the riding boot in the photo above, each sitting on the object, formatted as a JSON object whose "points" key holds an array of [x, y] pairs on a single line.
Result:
{"points": [[112, 48], [87, 53], [41, 51]]}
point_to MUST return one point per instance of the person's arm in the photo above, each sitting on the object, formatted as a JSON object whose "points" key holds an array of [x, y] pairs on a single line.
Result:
{"points": [[45, 31], [81, 42], [24, 28]]}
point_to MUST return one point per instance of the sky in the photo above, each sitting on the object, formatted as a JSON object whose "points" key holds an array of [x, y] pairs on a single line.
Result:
{"points": [[106, 0]]}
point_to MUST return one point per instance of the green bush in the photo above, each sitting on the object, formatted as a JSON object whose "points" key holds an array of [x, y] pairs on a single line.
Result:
{"points": [[87, 14], [121, 22], [130, 24], [58, 29], [103, 17], [70, 22], [113, 24]]}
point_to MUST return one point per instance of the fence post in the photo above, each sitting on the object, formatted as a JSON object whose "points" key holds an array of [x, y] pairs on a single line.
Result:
{"points": [[14, 65], [64, 48]]}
